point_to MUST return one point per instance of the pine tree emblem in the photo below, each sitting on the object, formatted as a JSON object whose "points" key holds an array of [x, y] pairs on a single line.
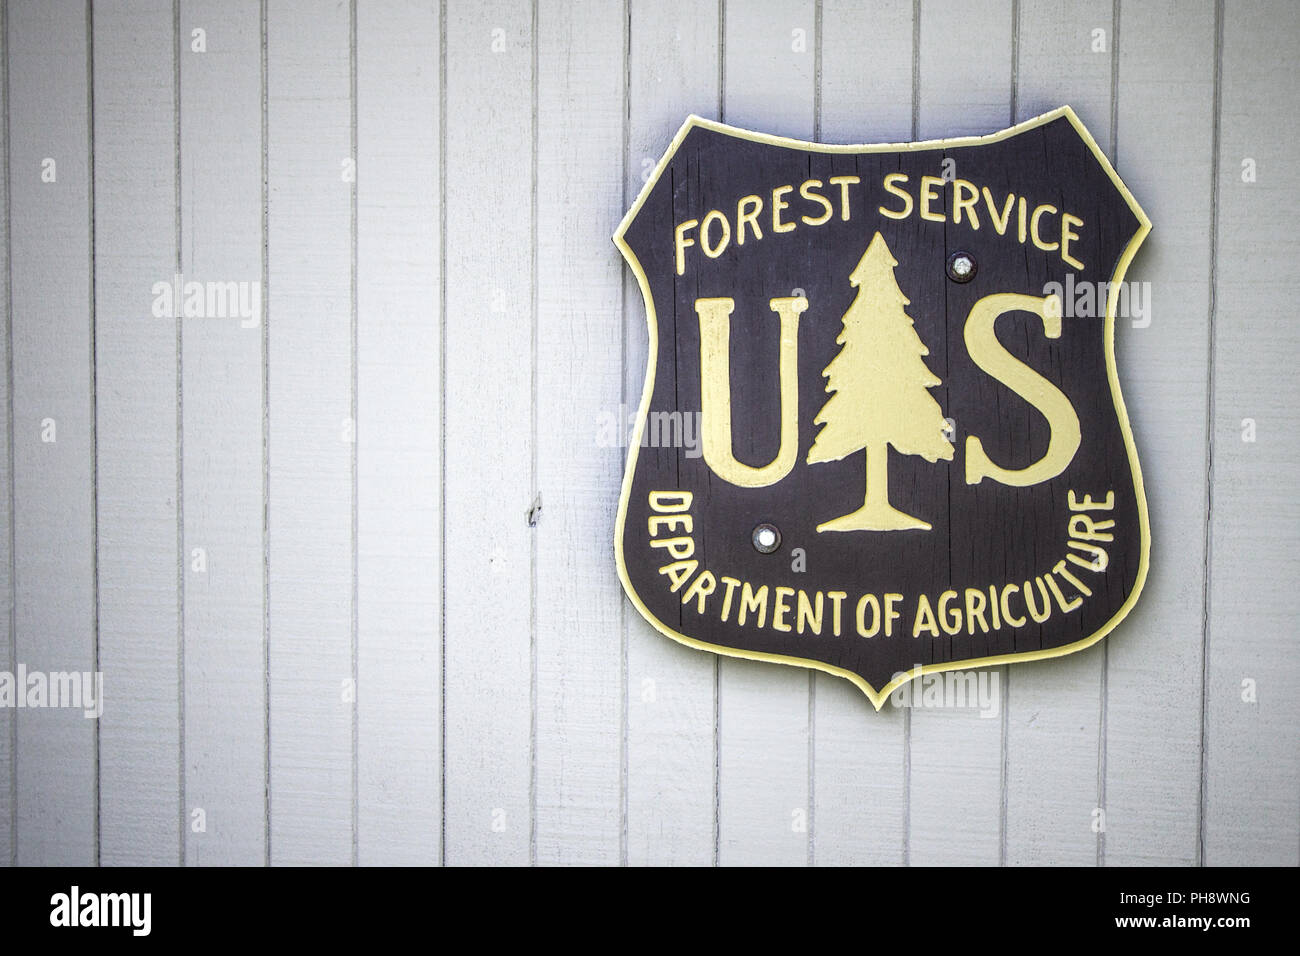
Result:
{"points": [[878, 385]]}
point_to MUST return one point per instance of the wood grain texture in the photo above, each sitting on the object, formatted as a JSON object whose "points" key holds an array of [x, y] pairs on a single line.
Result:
{"points": [[222, 413], [399, 436], [53, 490], [965, 54], [1153, 702], [7, 661], [489, 431], [1252, 804], [136, 381], [311, 433], [859, 782], [764, 803], [1054, 706], [580, 71], [672, 73]]}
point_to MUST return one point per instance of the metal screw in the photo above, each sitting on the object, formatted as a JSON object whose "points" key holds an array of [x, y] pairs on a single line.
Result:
{"points": [[961, 267], [766, 538]]}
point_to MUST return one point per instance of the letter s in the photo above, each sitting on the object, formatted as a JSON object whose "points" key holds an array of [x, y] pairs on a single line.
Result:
{"points": [[989, 355]]}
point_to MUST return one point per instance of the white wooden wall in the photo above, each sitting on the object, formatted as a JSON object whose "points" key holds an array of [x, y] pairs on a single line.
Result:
{"points": [[346, 566]]}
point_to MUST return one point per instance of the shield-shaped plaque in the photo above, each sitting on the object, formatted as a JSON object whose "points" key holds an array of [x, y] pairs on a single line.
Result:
{"points": [[881, 432]]}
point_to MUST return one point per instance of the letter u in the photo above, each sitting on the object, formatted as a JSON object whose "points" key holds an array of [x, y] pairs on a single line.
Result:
{"points": [[715, 391]]}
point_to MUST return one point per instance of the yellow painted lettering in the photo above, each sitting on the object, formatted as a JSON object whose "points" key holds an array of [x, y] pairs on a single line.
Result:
{"points": [[844, 182], [777, 205], [1007, 591], [975, 604], [949, 617], [928, 195], [966, 202], [731, 584], [679, 572], [902, 194], [1087, 504], [781, 608], [711, 250], [679, 549], [715, 390], [670, 522], [1085, 529], [747, 210], [987, 352], [680, 242], [836, 597], [924, 618], [891, 613], [809, 191], [1064, 572], [702, 587], [874, 629], [1039, 617], [670, 501], [1068, 235], [754, 602], [999, 222], [1039, 213], [1066, 606], [807, 615]]}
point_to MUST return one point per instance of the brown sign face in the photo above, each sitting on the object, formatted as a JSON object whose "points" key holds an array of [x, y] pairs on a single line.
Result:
{"points": [[881, 432]]}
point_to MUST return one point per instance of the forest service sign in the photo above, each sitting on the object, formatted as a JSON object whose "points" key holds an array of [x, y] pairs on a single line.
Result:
{"points": [[915, 454]]}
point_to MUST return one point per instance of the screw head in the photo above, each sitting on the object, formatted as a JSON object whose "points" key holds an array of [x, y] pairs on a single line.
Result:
{"points": [[766, 538], [961, 267]]}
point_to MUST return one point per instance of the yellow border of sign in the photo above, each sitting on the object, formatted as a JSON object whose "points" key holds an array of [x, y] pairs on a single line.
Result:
{"points": [[878, 697]]}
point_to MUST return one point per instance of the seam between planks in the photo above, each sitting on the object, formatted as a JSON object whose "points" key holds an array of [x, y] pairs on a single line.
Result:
{"points": [[266, 445], [906, 713], [1005, 729], [180, 447], [442, 424], [532, 466], [1105, 645], [9, 425], [353, 411], [623, 398], [1210, 405], [812, 674], [94, 404], [1015, 59], [717, 662]]}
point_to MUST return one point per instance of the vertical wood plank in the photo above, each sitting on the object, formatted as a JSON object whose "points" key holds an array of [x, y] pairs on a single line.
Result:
{"points": [[1053, 713], [860, 794], [489, 431], [1153, 703], [222, 410], [956, 755], [1252, 804], [311, 431], [672, 73], [764, 743], [580, 98], [7, 662], [53, 388], [866, 99], [965, 67], [137, 452], [399, 435]]}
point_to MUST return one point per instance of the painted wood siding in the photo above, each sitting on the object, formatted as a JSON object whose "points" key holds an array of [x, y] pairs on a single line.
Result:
{"points": [[343, 551]]}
